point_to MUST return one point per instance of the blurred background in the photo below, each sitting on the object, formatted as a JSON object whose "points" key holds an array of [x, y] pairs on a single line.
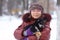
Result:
{"points": [[12, 10]]}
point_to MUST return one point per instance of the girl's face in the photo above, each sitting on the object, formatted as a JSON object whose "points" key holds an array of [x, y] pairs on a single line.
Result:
{"points": [[36, 13]]}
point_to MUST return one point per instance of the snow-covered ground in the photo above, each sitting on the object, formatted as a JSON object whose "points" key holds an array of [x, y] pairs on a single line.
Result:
{"points": [[7, 26], [9, 23]]}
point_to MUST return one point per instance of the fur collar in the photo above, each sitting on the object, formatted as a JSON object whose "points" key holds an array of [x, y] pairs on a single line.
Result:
{"points": [[27, 17]]}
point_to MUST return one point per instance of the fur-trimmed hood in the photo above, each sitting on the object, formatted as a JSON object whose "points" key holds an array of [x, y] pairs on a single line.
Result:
{"points": [[27, 17]]}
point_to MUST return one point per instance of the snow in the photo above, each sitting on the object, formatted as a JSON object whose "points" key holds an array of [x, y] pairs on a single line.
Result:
{"points": [[7, 26]]}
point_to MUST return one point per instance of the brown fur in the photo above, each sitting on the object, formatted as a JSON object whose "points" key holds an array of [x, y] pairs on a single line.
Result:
{"points": [[27, 17]]}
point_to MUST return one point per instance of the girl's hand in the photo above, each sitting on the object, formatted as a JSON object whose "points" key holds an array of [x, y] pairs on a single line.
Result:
{"points": [[38, 33]]}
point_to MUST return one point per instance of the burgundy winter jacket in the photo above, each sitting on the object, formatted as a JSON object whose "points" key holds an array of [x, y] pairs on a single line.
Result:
{"points": [[45, 33]]}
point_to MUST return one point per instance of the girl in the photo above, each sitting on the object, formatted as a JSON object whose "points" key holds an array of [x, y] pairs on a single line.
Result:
{"points": [[35, 26]]}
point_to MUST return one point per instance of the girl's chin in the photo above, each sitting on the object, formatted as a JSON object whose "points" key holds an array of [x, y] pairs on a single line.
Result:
{"points": [[35, 17]]}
